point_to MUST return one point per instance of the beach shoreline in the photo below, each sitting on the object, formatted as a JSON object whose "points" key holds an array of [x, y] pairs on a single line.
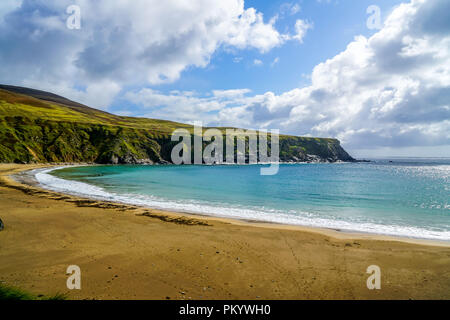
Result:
{"points": [[217, 258], [29, 180]]}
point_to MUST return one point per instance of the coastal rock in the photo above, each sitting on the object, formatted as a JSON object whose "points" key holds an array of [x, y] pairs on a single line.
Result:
{"points": [[2, 226]]}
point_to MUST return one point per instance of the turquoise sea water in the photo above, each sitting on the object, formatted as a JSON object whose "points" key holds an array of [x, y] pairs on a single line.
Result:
{"points": [[406, 197]]}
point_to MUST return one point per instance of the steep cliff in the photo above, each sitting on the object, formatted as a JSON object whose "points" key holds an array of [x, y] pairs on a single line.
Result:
{"points": [[37, 126]]}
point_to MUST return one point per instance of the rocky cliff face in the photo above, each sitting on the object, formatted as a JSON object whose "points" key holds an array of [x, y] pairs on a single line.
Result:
{"points": [[26, 141], [42, 130], [23, 141], [300, 149]]}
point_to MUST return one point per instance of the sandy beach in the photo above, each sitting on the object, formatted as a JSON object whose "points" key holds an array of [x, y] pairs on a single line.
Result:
{"points": [[128, 252]]}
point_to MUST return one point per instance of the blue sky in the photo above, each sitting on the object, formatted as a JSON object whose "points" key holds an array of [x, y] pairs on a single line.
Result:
{"points": [[305, 67], [335, 25]]}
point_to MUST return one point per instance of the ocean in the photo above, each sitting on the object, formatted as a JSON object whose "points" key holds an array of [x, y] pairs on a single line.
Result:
{"points": [[398, 197]]}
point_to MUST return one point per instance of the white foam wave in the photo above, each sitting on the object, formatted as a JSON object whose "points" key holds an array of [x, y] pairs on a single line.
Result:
{"points": [[51, 182]]}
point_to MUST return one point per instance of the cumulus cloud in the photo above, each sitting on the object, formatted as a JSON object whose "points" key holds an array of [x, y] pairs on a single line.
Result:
{"points": [[119, 43], [389, 90], [186, 106], [301, 28]]}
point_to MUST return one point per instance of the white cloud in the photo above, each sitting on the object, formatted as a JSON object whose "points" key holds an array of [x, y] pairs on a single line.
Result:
{"points": [[185, 106], [301, 27], [249, 30], [390, 90], [146, 42], [230, 94], [97, 94]]}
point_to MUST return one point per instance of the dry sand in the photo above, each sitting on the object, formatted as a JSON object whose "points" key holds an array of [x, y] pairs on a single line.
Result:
{"points": [[126, 252]]}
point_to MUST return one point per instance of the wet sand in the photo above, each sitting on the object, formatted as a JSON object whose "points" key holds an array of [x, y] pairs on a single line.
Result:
{"points": [[128, 252]]}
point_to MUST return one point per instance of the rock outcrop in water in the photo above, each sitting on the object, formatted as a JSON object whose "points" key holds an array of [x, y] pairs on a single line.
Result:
{"points": [[40, 127]]}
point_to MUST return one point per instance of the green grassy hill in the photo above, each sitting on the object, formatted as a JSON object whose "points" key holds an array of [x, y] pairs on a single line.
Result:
{"points": [[37, 126]]}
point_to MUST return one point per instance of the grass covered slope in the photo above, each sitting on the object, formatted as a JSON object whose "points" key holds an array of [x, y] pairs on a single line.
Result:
{"points": [[36, 126]]}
